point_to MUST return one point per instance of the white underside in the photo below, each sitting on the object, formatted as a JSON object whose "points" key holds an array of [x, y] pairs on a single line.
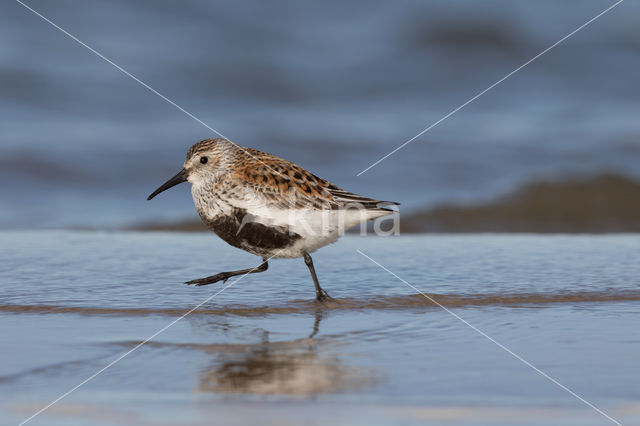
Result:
{"points": [[316, 228]]}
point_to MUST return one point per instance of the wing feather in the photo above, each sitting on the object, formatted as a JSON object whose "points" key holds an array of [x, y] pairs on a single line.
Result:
{"points": [[283, 184]]}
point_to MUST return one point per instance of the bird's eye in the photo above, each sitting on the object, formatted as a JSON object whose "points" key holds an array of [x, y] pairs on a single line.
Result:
{"points": [[204, 160]]}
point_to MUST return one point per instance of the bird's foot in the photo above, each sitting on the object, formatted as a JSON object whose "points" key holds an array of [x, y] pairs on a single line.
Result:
{"points": [[322, 296], [222, 276]]}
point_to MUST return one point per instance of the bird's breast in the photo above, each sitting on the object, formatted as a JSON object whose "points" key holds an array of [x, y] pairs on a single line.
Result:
{"points": [[234, 223]]}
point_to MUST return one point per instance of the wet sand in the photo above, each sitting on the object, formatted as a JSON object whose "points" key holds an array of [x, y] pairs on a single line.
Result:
{"points": [[263, 352], [595, 204], [423, 301]]}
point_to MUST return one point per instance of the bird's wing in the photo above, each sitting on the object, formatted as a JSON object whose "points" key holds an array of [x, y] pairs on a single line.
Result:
{"points": [[283, 184]]}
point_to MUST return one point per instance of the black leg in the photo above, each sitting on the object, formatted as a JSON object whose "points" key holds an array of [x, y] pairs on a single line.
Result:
{"points": [[224, 276], [321, 295]]}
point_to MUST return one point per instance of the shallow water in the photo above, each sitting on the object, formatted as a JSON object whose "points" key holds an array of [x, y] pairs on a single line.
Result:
{"points": [[262, 351]]}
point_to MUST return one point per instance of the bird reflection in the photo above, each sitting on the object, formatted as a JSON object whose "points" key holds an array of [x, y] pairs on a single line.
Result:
{"points": [[295, 367], [316, 323]]}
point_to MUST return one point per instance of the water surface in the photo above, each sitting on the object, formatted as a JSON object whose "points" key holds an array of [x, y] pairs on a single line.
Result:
{"points": [[263, 351]]}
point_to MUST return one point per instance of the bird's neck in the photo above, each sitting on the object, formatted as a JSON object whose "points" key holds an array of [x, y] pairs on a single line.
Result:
{"points": [[209, 198]]}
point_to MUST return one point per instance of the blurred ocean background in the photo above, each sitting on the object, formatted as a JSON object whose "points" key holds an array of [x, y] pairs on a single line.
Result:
{"points": [[333, 86]]}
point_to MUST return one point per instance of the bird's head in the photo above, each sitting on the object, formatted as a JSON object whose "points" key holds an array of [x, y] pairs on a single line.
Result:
{"points": [[205, 161]]}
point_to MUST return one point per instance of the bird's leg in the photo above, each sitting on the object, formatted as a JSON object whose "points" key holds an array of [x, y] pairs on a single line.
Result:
{"points": [[321, 295], [224, 276]]}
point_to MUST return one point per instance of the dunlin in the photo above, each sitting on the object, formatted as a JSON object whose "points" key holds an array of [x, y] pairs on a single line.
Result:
{"points": [[268, 206]]}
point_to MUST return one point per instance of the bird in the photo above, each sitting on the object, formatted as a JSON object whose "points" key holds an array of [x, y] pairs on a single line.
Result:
{"points": [[268, 206]]}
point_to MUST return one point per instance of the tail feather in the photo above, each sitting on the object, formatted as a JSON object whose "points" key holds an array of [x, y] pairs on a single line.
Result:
{"points": [[346, 197]]}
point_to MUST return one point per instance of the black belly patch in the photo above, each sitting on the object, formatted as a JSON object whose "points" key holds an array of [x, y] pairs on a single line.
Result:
{"points": [[239, 230]]}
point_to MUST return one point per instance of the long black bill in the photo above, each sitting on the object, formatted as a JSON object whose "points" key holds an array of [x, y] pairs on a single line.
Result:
{"points": [[179, 178]]}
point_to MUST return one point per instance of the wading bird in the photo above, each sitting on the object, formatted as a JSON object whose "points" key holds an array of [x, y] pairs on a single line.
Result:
{"points": [[268, 206]]}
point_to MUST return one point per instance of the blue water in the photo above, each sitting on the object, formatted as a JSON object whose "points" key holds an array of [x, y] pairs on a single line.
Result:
{"points": [[333, 86], [263, 351]]}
